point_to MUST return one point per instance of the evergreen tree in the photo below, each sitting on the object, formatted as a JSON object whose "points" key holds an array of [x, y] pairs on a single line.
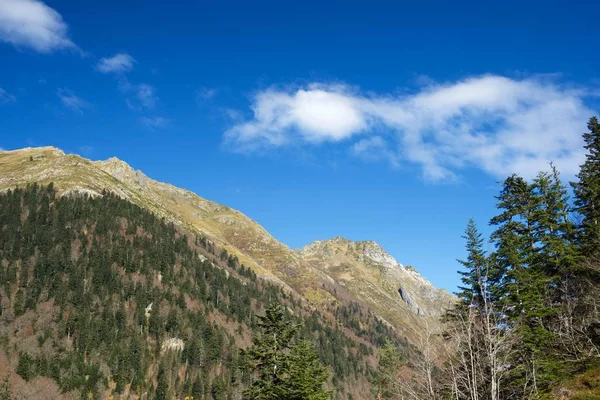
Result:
{"points": [[553, 230], [306, 374], [587, 191], [283, 371], [24, 366], [515, 243], [5, 389], [531, 246], [475, 266], [390, 361], [162, 386], [268, 355], [155, 324]]}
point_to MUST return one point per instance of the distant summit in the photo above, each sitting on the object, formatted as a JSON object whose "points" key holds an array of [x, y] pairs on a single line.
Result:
{"points": [[324, 273]]}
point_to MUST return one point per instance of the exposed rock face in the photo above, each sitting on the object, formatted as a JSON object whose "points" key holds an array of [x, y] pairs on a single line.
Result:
{"points": [[398, 294], [409, 301]]}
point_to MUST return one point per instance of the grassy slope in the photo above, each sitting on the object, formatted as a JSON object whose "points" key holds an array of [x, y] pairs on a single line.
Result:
{"points": [[314, 277]]}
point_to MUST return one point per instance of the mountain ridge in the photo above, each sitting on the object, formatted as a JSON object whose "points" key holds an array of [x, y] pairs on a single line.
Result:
{"points": [[323, 272]]}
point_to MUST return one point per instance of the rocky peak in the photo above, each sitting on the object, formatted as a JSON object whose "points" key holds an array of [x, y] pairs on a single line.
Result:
{"points": [[374, 252], [361, 270], [367, 251], [122, 171], [367, 269]]}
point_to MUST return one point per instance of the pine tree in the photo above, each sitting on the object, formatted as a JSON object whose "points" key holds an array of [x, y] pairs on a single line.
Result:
{"points": [[5, 389], [520, 288], [284, 371], [24, 366], [476, 268], [534, 246], [162, 386], [515, 243], [268, 355], [587, 191], [306, 374], [155, 324], [390, 361], [553, 231]]}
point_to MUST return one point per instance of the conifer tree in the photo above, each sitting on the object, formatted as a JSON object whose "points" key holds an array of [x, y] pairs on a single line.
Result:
{"points": [[476, 267], [554, 231], [5, 388], [162, 386], [587, 191], [268, 355], [386, 379], [284, 372], [514, 240], [525, 226], [306, 374]]}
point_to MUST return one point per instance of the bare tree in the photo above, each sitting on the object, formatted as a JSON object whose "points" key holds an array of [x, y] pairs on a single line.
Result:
{"points": [[419, 382], [480, 344]]}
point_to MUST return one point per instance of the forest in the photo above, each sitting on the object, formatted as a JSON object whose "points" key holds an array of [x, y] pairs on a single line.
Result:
{"points": [[108, 300], [527, 322]]}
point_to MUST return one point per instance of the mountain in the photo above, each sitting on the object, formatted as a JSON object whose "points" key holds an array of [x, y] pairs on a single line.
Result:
{"points": [[100, 298], [395, 292], [325, 274]]}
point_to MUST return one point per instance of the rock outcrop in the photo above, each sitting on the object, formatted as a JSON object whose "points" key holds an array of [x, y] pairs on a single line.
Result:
{"points": [[363, 271]]}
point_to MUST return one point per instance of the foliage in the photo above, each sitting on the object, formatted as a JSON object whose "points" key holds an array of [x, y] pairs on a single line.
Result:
{"points": [[116, 282], [587, 190], [283, 371], [390, 361], [5, 388], [528, 311], [516, 321]]}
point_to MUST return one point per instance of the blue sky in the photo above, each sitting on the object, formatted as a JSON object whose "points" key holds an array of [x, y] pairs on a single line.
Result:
{"points": [[370, 120]]}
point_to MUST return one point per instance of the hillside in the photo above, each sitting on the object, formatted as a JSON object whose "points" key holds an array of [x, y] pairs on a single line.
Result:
{"points": [[100, 298], [326, 274], [397, 293]]}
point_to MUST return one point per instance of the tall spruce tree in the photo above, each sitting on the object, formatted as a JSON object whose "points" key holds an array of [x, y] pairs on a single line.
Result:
{"points": [[268, 355], [515, 243], [554, 231], [386, 377], [587, 191], [306, 374], [475, 271], [162, 385], [283, 371], [522, 292]]}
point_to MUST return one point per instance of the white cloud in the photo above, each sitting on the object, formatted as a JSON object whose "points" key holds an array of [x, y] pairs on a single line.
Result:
{"points": [[119, 63], [494, 123], [142, 95], [31, 23], [315, 114], [374, 148], [145, 96], [71, 101], [155, 122], [232, 114], [6, 98]]}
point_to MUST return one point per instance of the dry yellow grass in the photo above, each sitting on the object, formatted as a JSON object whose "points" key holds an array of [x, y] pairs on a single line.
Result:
{"points": [[337, 261]]}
